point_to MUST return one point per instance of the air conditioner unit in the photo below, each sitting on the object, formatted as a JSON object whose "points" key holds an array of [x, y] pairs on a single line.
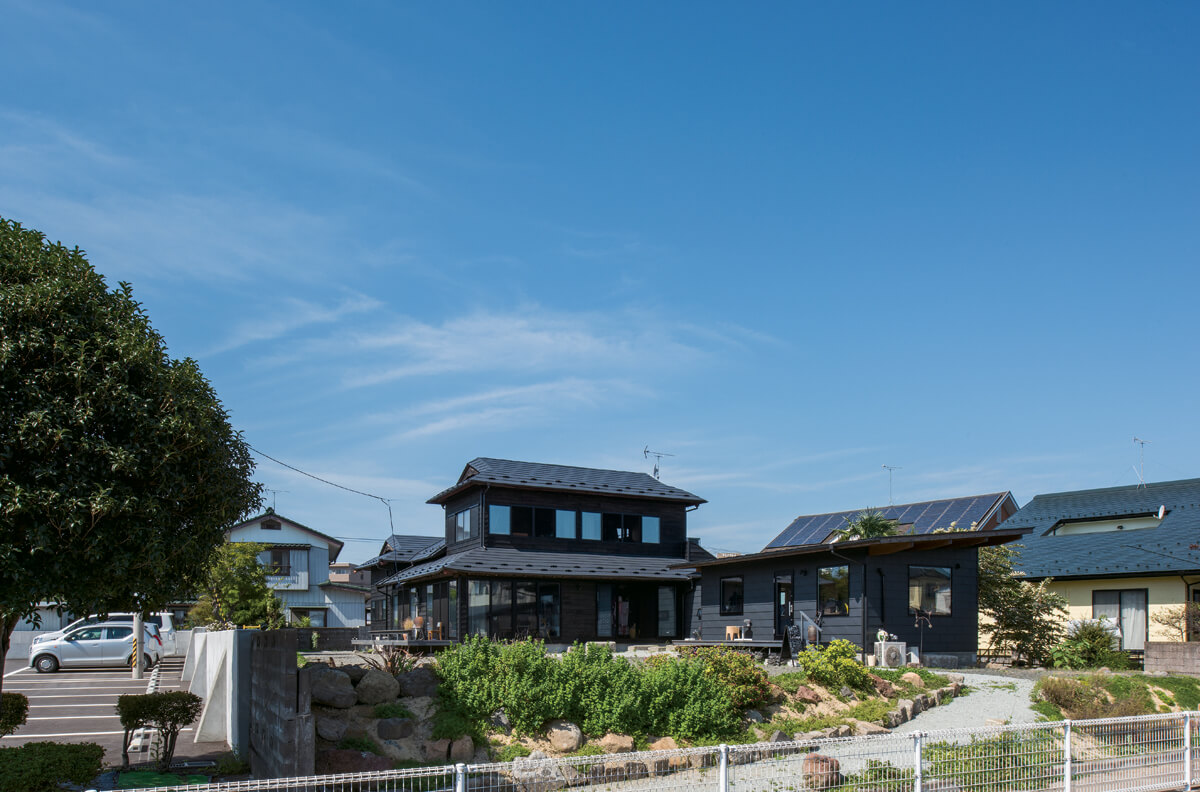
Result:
{"points": [[891, 654]]}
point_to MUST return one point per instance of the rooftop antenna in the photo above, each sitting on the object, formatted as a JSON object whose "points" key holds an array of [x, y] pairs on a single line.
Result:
{"points": [[889, 469], [1141, 462], [658, 455], [274, 492]]}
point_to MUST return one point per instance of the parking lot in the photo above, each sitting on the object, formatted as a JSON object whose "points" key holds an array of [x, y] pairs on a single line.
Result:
{"points": [[79, 705]]}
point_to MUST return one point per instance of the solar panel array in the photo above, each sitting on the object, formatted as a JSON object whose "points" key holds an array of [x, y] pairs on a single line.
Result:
{"points": [[915, 518]]}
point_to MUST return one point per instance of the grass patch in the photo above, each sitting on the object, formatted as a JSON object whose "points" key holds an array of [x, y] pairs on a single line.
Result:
{"points": [[143, 779], [791, 681], [1186, 690], [231, 764], [591, 749], [870, 711], [392, 710], [512, 751], [361, 744]]}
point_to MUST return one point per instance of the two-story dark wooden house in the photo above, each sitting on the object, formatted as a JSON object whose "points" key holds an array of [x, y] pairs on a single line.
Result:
{"points": [[557, 552]]}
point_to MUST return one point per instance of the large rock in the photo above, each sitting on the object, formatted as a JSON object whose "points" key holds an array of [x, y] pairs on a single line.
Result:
{"points": [[777, 737], [395, 728], [956, 678], [912, 678], [377, 687], [806, 695], [664, 744], [862, 728], [754, 716], [531, 775], [333, 689], [331, 729], [564, 736], [883, 687], [821, 772], [420, 682], [499, 721], [355, 672], [616, 743], [462, 749], [905, 708], [436, 750], [343, 760]]}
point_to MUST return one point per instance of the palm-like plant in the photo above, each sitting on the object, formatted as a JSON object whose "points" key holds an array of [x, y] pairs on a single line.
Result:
{"points": [[867, 525]]}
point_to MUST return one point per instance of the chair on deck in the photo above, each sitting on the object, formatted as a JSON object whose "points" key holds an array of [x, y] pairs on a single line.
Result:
{"points": [[733, 633], [435, 633]]}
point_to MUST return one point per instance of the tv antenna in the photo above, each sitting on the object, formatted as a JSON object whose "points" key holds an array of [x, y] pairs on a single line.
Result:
{"points": [[1141, 470], [658, 455], [889, 469], [274, 492]]}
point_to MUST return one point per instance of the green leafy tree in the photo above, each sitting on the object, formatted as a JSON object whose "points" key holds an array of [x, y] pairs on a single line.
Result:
{"points": [[1020, 616], [869, 524], [235, 590], [119, 471]]}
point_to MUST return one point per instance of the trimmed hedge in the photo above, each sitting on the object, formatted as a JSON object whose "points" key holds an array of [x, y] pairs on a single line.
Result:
{"points": [[14, 709], [44, 766]]}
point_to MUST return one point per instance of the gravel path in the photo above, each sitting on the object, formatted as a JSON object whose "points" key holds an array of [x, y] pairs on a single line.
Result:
{"points": [[992, 696]]}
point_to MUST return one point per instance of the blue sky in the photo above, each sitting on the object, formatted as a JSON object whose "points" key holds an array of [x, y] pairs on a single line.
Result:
{"points": [[787, 243]]}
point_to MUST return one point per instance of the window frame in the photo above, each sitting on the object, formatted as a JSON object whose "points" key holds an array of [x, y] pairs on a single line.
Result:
{"points": [[949, 586], [832, 581], [728, 610]]}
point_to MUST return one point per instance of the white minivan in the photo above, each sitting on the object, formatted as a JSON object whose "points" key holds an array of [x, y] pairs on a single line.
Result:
{"points": [[164, 621]]}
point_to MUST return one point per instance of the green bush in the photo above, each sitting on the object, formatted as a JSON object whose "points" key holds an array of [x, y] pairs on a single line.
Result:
{"points": [[391, 710], [684, 700], [834, 665], [601, 692], [168, 712], [748, 684], [1090, 643], [14, 709], [512, 751], [43, 766]]}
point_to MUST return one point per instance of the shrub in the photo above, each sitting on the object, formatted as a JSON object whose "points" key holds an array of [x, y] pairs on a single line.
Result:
{"points": [[1005, 762], [1096, 697], [684, 700], [747, 682], [390, 659], [44, 766], [167, 712], [512, 751], [391, 710], [1090, 643], [14, 709], [468, 672], [834, 665], [527, 682], [231, 763], [601, 692]]}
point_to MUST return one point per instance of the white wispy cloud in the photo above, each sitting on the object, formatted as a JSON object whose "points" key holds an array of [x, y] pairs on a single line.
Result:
{"points": [[288, 314]]}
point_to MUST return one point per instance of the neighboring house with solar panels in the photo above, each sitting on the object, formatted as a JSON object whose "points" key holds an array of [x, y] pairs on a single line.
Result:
{"points": [[552, 551], [297, 559], [399, 552], [1121, 552], [855, 588]]}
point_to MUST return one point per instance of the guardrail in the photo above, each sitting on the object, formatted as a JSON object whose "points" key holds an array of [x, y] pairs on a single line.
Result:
{"points": [[1138, 754]]}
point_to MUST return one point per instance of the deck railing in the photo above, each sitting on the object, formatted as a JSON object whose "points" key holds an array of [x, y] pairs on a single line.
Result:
{"points": [[1138, 754]]}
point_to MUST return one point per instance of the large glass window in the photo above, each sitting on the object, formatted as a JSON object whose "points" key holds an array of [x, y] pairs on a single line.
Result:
{"points": [[732, 596], [929, 589], [590, 525], [525, 621], [549, 625], [666, 611], [612, 527], [833, 591], [522, 521], [1125, 609], [604, 610], [501, 611], [650, 530], [452, 620], [498, 520], [465, 523], [543, 523], [478, 601], [564, 524]]}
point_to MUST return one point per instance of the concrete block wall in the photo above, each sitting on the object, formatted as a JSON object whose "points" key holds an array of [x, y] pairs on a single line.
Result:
{"points": [[1173, 658]]}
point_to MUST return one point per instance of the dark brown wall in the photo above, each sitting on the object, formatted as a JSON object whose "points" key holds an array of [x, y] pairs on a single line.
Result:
{"points": [[462, 501]]}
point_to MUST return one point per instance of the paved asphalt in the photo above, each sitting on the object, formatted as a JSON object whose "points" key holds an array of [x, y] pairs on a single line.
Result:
{"points": [[79, 705]]}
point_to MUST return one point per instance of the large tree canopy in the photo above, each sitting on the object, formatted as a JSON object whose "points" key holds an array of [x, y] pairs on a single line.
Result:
{"points": [[119, 471]]}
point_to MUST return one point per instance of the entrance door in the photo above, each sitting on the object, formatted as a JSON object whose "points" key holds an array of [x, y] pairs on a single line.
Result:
{"points": [[783, 604], [1127, 609]]}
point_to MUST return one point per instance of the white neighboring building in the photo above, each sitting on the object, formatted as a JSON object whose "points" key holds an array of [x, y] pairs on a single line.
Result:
{"points": [[297, 561]]}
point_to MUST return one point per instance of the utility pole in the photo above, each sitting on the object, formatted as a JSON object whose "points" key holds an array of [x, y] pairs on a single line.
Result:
{"points": [[139, 647]]}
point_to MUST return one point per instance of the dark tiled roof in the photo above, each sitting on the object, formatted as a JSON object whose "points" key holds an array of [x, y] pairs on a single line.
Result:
{"points": [[402, 549], [505, 562], [924, 517], [335, 545], [564, 478], [697, 553], [1171, 547]]}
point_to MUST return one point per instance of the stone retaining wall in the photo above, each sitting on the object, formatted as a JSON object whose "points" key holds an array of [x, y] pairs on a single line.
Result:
{"points": [[1172, 657]]}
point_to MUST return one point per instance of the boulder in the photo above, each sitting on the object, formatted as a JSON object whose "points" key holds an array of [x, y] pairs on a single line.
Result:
{"points": [[754, 716], [355, 672], [343, 760], [820, 771], [616, 743], [664, 744], [893, 719], [922, 702], [395, 728], [905, 708], [956, 678], [436, 750], [462, 749], [330, 729], [333, 689], [531, 775], [635, 770], [420, 683], [376, 687], [499, 721], [806, 695], [912, 678], [564, 736], [862, 728], [843, 731], [847, 693], [778, 736], [808, 736], [883, 687]]}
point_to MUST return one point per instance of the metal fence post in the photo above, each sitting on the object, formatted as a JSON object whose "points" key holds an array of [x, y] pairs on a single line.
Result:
{"points": [[1066, 756], [1187, 750], [460, 777], [723, 769], [918, 759]]}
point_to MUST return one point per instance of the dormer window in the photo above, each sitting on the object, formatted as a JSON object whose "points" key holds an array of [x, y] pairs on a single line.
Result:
{"points": [[271, 525]]}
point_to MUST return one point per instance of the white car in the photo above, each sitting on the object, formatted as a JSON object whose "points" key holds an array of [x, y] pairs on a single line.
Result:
{"points": [[164, 621], [103, 644]]}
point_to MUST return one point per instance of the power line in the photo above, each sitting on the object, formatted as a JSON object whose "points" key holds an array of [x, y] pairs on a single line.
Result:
{"points": [[385, 501]]}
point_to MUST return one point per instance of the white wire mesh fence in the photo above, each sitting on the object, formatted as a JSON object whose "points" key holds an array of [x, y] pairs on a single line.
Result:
{"points": [[1138, 754]]}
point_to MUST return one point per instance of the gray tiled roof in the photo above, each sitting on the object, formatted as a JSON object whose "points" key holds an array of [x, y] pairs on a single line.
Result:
{"points": [[505, 562], [403, 549], [564, 478], [924, 517], [1172, 547]]}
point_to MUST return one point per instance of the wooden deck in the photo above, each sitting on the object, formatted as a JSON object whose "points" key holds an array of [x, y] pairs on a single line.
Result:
{"points": [[737, 643], [400, 641]]}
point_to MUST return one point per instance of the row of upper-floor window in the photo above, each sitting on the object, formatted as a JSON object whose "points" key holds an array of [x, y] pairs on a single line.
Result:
{"points": [[557, 524]]}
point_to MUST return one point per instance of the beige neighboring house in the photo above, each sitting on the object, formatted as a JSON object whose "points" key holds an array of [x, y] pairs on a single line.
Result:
{"points": [[1125, 553]]}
